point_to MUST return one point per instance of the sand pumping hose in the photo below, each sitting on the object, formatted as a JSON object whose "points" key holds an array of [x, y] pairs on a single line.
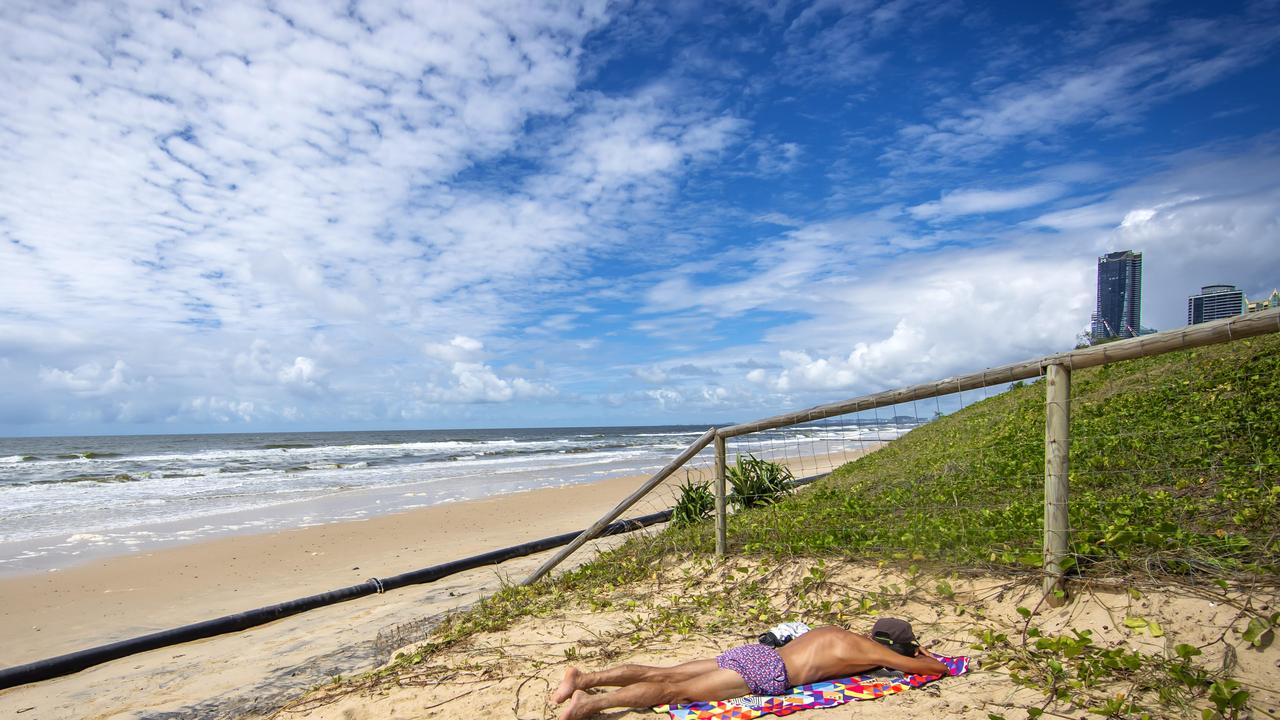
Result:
{"points": [[81, 659], [74, 662]]}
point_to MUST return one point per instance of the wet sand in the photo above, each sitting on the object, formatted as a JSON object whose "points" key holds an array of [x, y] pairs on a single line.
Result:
{"points": [[110, 599]]}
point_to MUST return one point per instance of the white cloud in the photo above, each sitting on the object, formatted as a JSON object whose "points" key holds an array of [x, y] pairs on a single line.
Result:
{"points": [[460, 348], [1085, 217], [651, 374], [977, 202], [952, 313], [776, 271], [777, 218], [255, 365], [302, 373], [666, 398], [88, 380], [779, 158], [834, 40], [258, 367], [523, 388], [627, 149], [219, 410], [1105, 89], [279, 213], [180, 183], [476, 382]]}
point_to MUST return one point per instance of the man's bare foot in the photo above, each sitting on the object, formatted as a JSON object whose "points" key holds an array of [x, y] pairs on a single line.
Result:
{"points": [[568, 684], [574, 710]]}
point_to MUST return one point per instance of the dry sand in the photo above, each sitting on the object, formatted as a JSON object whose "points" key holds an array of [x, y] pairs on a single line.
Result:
{"points": [[508, 674], [111, 599], [122, 597]]}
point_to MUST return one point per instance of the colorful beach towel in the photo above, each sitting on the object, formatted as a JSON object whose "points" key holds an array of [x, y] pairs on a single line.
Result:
{"points": [[816, 695]]}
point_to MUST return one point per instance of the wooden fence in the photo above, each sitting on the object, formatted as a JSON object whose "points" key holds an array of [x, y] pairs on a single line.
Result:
{"points": [[1056, 369]]}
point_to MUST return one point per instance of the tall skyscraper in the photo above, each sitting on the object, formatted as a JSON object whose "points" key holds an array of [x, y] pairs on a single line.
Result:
{"points": [[1119, 312], [1214, 303], [1271, 301]]}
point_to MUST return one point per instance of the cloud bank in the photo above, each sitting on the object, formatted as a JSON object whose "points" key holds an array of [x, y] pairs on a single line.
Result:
{"points": [[254, 215]]}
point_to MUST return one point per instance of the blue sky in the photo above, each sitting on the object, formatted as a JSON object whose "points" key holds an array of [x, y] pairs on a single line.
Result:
{"points": [[305, 215]]}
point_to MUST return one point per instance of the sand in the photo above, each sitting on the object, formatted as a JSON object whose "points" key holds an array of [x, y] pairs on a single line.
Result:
{"points": [[122, 597], [508, 674], [110, 599]]}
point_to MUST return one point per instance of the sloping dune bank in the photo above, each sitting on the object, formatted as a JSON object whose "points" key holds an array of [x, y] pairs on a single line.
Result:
{"points": [[508, 674]]}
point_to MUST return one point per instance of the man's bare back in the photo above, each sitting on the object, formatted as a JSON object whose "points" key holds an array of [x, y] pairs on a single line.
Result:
{"points": [[830, 652], [820, 654]]}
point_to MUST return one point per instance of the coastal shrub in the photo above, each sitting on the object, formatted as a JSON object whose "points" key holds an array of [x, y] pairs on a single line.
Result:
{"points": [[1173, 462], [1174, 471], [696, 503], [757, 482]]}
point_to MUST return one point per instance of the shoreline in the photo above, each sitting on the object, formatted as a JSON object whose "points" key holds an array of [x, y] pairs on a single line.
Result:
{"points": [[85, 545], [358, 506], [110, 599], [51, 613], [66, 499], [47, 613]]}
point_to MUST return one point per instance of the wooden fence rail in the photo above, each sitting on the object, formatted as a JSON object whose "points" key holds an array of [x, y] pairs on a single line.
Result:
{"points": [[1219, 331], [592, 532], [1057, 370]]}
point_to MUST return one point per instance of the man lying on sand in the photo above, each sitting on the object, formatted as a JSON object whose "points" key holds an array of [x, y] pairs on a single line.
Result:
{"points": [[820, 654]]}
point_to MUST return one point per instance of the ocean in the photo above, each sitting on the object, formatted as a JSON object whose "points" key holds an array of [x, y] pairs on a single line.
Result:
{"points": [[66, 499]]}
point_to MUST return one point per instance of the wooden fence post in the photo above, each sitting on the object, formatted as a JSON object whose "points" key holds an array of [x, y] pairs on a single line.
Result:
{"points": [[721, 519], [1057, 448]]}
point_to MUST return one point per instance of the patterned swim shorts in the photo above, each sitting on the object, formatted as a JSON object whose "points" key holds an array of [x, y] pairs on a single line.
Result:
{"points": [[760, 666]]}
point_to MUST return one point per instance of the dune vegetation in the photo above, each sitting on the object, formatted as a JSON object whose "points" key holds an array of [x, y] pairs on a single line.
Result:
{"points": [[1173, 473]]}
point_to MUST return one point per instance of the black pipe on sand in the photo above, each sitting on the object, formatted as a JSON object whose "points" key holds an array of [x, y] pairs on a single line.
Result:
{"points": [[81, 659]]}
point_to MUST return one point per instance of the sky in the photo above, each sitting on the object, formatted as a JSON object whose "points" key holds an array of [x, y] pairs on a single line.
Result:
{"points": [[250, 216]]}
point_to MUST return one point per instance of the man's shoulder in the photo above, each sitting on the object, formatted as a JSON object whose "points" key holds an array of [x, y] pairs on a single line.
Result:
{"points": [[857, 648], [849, 636], [836, 635]]}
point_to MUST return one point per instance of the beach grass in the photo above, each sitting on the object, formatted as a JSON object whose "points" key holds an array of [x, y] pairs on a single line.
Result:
{"points": [[1173, 468], [1174, 464]]}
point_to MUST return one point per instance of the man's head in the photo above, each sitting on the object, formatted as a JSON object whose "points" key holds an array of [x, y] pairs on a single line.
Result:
{"points": [[897, 634]]}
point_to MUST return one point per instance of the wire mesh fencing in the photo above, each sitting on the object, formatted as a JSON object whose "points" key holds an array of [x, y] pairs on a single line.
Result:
{"points": [[653, 504], [919, 490], [1163, 466], [1106, 460], [1175, 466], [697, 471]]}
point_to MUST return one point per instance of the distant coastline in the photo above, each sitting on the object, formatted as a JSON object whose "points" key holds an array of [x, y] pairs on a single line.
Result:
{"points": [[69, 499]]}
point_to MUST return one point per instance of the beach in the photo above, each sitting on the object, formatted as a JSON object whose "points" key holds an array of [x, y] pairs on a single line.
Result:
{"points": [[509, 673], [122, 597], [67, 500], [114, 598]]}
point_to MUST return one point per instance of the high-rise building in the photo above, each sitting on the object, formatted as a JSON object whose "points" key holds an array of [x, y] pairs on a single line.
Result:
{"points": [[1271, 301], [1214, 303], [1119, 311]]}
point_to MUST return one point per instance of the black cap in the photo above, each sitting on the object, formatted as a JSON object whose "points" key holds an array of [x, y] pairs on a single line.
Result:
{"points": [[897, 634]]}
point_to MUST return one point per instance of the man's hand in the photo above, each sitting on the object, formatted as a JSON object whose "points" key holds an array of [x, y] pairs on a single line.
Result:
{"points": [[921, 663]]}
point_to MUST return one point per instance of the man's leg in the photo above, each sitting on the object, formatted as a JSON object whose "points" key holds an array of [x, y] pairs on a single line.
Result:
{"points": [[714, 685], [575, 679]]}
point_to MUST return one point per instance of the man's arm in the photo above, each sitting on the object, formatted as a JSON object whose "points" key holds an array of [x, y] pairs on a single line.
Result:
{"points": [[921, 664]]}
